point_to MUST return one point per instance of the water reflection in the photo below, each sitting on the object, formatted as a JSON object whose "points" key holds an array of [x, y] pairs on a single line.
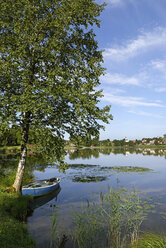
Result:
{"points": [[42, 200], [81, 171], [38, 162], [9, 163], [95, 152]]}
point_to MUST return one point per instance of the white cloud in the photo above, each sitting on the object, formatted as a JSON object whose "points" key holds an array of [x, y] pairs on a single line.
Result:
{"points": [[128, 101], [119, 79], [153, 75], [145, 114], [159, 65], [161, 90], [117, 3], [113, 90], [139, 45]]}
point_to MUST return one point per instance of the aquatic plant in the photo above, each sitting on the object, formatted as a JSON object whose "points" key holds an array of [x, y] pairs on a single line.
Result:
{"points": [[150, 241], [114, 222], [53, 229], [88, 179], [120, 169], [82, 166], [57, 238]]}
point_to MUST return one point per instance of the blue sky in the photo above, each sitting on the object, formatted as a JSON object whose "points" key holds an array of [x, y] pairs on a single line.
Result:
{"points": [[133, 36]]}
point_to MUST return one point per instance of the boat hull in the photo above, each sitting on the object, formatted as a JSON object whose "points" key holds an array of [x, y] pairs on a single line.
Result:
{"points": [[39, 191]]}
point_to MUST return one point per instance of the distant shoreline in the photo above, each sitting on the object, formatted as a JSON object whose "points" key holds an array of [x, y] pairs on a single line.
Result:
{"points": [[13, 149]]}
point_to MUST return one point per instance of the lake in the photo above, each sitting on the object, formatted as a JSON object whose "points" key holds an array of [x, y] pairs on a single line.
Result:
{"points": [[94, 171]]}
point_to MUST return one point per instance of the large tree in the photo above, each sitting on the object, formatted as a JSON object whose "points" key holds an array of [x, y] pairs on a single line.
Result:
{"points": [[50, 66]]}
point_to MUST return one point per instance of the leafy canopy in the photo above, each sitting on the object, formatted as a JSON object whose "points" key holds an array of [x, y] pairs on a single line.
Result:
{"points": [[50, 66]]}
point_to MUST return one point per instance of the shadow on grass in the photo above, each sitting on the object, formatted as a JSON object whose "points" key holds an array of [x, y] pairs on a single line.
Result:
{"points": [[13, 230]]}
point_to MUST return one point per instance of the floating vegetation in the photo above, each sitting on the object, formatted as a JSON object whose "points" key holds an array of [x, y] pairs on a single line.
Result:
{"points": [[89, 179], [127, 169], [82, 166], [118, 169], [96, 173]]}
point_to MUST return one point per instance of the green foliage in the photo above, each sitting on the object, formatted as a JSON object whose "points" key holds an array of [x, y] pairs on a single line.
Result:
{"points": [[49, 69], [106, 142], [6, 178], [9, 135], [119, 142]]}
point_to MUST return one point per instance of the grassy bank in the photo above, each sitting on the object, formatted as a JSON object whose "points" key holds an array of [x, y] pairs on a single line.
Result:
{"points": [[13, 230], [13, 213]]}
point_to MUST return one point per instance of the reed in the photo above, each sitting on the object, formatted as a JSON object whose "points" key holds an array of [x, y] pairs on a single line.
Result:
{"points": [[150, 241], [114, 222]]}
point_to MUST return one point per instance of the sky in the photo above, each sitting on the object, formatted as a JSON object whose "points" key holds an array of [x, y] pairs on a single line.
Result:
{"points": [[133, 37]]}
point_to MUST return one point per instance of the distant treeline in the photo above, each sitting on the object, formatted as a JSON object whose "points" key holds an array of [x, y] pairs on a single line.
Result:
{"points": [[11, 136], [118, 143], [97, 143]]}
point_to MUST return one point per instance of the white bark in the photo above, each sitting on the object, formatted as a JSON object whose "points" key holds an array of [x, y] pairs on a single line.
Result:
{"points": [[20, 171]]}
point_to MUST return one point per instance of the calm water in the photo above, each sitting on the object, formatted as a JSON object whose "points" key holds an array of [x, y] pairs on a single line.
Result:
{"points": [[90, 173]]}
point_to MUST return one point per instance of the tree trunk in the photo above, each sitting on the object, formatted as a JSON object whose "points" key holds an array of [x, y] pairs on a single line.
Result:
{"points": [[17, 186]]}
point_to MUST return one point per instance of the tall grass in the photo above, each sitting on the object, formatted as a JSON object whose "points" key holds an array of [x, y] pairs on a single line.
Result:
{"points": [[114, 222], [53, 232], [150, 241]]}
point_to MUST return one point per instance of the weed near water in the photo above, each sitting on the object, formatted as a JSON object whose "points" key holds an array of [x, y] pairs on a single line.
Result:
{"points": [[114, 222], [150, 241]]}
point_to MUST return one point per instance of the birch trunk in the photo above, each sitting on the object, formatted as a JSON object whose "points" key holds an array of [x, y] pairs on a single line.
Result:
{"points": [[17, 186]]}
